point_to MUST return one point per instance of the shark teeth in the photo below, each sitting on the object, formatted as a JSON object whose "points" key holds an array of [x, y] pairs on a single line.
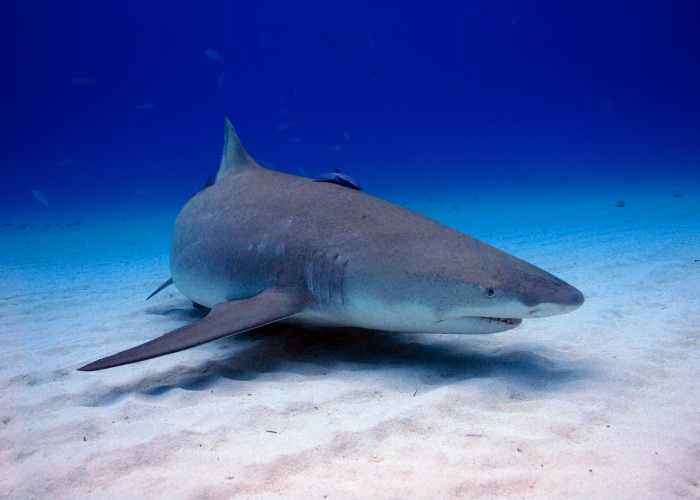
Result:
{"points": [[508, 321]]}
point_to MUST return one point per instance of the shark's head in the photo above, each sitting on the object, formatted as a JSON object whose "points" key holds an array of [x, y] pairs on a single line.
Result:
{"points": [[457, 284], [499, 296]]}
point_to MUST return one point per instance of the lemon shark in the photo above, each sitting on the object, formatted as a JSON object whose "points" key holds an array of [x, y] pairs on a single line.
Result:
{"points": [[260, 246]]}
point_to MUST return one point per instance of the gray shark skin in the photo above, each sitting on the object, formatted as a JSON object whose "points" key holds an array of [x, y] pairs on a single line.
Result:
{"points": [[260, 246]]}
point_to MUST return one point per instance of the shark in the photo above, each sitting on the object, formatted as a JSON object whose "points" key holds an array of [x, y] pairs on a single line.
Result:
{"points": [[259, 246]]}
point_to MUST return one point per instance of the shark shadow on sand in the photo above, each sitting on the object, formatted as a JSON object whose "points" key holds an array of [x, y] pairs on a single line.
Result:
{"points": [[316, 353]]}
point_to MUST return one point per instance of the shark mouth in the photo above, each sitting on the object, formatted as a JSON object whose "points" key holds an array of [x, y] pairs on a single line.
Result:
{"points": [[507, 321]]}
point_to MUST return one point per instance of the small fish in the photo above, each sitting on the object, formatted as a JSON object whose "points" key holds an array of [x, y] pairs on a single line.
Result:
{"points": [[138, 193], [347, 136], [335, 147], [285, 126], [146, 105], [339, 178], [371, 43], [220, 81], [81, 80], [213, 55], [41, 197], [64, 162]]}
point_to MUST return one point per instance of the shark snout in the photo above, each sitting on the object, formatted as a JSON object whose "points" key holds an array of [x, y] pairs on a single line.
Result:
{"points": [[561, 299]]}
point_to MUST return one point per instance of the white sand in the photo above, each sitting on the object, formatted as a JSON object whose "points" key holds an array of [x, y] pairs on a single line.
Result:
{"points": [[602, 402]]}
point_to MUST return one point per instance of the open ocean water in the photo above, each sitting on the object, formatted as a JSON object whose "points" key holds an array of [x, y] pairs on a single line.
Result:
{"points": [[123, 103]]}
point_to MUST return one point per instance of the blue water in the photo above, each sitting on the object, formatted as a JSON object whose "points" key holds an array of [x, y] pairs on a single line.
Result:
{"points": [[120, 103]]}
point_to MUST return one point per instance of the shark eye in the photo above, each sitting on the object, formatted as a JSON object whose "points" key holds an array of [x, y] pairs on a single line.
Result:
{"points": [[489, 292]]}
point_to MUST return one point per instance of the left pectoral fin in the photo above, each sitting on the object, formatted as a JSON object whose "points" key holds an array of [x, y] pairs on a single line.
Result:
{"points": [[227, 318]]}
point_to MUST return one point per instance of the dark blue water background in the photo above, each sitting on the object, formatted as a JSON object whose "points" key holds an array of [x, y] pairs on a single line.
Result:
{"points": [[399, 94]]}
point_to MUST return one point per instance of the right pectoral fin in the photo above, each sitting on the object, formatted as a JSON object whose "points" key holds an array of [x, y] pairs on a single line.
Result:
{"points": [[227, 318]]}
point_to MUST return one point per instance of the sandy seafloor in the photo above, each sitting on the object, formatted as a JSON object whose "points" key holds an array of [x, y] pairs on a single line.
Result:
{"points": [[602, 402]]}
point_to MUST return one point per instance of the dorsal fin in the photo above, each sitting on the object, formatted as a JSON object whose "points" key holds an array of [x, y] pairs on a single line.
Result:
{"points": [[235, 158]]}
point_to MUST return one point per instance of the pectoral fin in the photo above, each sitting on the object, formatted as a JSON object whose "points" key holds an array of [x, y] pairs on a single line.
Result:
{"points": [[161, 287], [227, 318]]}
